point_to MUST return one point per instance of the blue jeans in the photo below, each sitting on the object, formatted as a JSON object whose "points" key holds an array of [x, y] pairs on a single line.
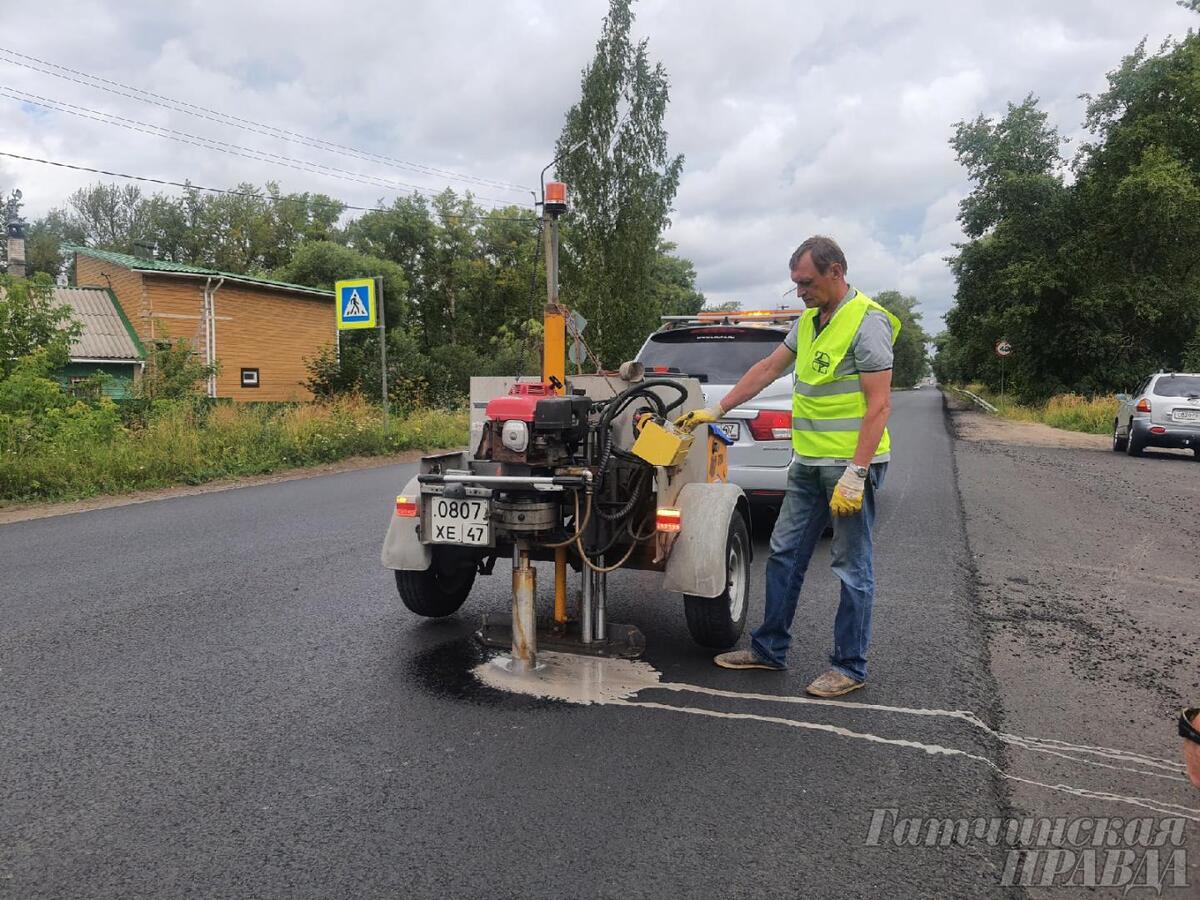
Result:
{"points": [[802, 518]]}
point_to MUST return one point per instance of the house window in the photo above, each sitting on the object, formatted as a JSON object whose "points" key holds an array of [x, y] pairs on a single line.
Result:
{"points": [[249, 378], [84, 388]]}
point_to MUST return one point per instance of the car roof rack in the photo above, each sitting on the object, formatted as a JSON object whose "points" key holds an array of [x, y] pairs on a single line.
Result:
{"points": [[735, 317]]}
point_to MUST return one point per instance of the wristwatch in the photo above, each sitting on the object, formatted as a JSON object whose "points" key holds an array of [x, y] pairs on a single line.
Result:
{"points": [[860, 471]]}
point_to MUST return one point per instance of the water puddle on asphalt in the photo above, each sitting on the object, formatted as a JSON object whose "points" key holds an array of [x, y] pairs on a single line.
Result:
{"points": [[571, 678], [585, 680]]}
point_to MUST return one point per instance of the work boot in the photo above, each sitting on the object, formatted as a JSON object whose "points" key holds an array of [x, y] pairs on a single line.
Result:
{"points": [[744, 659], [833, 684]]}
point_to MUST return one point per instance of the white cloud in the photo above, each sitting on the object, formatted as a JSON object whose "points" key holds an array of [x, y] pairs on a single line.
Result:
{"points": [[794, 118]]}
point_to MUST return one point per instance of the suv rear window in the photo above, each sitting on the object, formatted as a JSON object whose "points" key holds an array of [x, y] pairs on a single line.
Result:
{"points": [[717, 355], [1178, 386]]}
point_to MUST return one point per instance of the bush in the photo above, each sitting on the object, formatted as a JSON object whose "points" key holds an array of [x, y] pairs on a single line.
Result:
{"points": [[76, 450], [1092, 415]]}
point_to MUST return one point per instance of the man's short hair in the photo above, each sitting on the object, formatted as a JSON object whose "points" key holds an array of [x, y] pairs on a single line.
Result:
{"points": [[825, 252]]}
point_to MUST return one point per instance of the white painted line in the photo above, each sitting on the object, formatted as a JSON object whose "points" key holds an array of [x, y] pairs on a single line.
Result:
{"points": [[1158, 806]]}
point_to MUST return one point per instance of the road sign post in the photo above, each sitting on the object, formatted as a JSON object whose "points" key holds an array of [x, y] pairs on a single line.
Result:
{"points": [[360, 305], [382, 348], [1003, 350]]}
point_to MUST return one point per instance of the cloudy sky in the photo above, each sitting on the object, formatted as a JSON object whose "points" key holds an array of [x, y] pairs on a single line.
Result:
{"points": [[794, 117]]}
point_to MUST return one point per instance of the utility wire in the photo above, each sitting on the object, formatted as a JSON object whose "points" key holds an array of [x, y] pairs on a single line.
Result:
{"points": [[184, 137], [140, 94], [267, 197]]}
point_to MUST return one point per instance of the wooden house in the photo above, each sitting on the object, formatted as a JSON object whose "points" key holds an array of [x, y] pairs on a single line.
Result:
{"points": [[259, 332]]}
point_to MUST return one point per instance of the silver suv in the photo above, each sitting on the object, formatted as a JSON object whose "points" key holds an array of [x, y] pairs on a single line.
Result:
{"points": [[718, 349], [1163, 412]]}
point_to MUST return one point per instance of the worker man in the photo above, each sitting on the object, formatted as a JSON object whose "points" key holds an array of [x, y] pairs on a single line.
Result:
{"points": [[841, 352]]}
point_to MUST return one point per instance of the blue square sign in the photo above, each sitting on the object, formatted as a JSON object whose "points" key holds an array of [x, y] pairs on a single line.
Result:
{"points": [[356, 303]]}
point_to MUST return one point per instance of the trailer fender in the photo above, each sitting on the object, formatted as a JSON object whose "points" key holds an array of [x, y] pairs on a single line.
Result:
{"points": [[696, 564], [402, 548]]}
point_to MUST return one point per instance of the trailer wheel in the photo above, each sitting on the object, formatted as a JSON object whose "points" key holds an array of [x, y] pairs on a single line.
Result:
{"points": [[435, 592], [718, 622]]}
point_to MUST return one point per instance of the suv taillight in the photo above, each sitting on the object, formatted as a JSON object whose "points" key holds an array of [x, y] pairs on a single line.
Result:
{"points": [[1143, 405], [772, 425]]}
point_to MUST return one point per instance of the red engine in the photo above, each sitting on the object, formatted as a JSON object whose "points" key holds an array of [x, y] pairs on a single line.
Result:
{"points": [[533, 426]]}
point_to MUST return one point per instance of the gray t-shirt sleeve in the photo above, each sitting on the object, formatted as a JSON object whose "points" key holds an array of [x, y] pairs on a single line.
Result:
{"points": [[873, 344], [790, 341]]}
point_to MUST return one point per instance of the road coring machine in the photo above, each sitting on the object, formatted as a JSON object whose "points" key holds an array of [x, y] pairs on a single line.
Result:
{"points": [[588, 472]]}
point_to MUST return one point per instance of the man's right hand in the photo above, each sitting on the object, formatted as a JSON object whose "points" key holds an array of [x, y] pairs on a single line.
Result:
{"points": [[698, 417]]}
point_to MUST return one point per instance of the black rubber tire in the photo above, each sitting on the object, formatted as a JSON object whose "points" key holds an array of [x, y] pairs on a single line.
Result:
{"points": [[718, 622], [1119, 443], [434, 593], [1133, 446]]}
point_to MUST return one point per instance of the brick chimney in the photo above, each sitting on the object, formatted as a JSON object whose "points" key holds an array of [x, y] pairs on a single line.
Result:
{"points": [[16, 249]]}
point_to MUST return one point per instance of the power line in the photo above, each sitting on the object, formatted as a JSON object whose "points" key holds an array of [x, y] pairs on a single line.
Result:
{"points": [[196, 187], [140, 94], [184, 137]]}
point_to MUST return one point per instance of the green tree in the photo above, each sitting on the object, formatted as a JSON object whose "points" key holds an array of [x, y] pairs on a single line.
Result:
{"points": [[674, 283], [911, 362], [44, 240], [613, 154], [247, 230], [106, 215], [1014, 281], [1095, 282], [174, 371], [727, 306], [321, 263], [1138, 211], [30, 321]]}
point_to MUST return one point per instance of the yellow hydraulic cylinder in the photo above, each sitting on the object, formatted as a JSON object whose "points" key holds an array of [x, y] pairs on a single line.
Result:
{"points": [[554, 345], [554, 321], [560, 586]]}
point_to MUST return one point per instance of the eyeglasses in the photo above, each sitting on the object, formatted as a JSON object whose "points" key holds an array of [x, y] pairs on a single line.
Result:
{"points": [[1186, 729]]}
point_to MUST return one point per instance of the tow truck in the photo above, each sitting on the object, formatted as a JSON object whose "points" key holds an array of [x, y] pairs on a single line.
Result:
{"points": [[589, 472]]}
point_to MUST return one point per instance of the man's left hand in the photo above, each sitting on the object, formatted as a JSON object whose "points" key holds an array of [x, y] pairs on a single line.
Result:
{"points": [[848, 494]]}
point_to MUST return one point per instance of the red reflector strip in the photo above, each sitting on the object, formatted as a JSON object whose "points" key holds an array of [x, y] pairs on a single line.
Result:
{"points": [[668, 521], [1157, 429], [406, 507]]}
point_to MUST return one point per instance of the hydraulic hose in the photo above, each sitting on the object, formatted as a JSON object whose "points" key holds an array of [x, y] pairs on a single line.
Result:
{"points": [[627, 506], [580, 526], [615, 406]]}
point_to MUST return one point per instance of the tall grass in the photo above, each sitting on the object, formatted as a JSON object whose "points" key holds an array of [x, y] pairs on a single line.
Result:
{"points": [[1072, 412], [182, 444]]}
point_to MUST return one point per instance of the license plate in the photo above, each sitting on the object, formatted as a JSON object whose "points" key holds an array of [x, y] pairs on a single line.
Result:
{"points": [[1187, 415], [733, 430], [459, 521]]}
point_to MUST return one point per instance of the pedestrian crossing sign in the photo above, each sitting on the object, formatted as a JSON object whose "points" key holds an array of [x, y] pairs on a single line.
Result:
{"points": [[356, 302]]}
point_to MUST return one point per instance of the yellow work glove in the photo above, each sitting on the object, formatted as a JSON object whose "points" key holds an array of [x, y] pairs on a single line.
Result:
{"points": [[848, 493], [697, 417]]}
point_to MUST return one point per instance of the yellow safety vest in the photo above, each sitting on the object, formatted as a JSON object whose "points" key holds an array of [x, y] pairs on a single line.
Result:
{"points": [[827, 411]]}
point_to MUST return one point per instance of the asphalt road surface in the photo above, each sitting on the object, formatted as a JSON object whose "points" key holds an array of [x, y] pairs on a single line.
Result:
{"points": [[221, 695]]}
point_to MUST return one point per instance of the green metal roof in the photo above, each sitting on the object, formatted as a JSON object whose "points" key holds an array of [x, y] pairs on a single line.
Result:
{"points": [[141, 264]]}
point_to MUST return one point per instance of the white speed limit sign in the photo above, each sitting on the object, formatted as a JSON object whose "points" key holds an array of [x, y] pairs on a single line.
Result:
{"points": [[1003, 349]]}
